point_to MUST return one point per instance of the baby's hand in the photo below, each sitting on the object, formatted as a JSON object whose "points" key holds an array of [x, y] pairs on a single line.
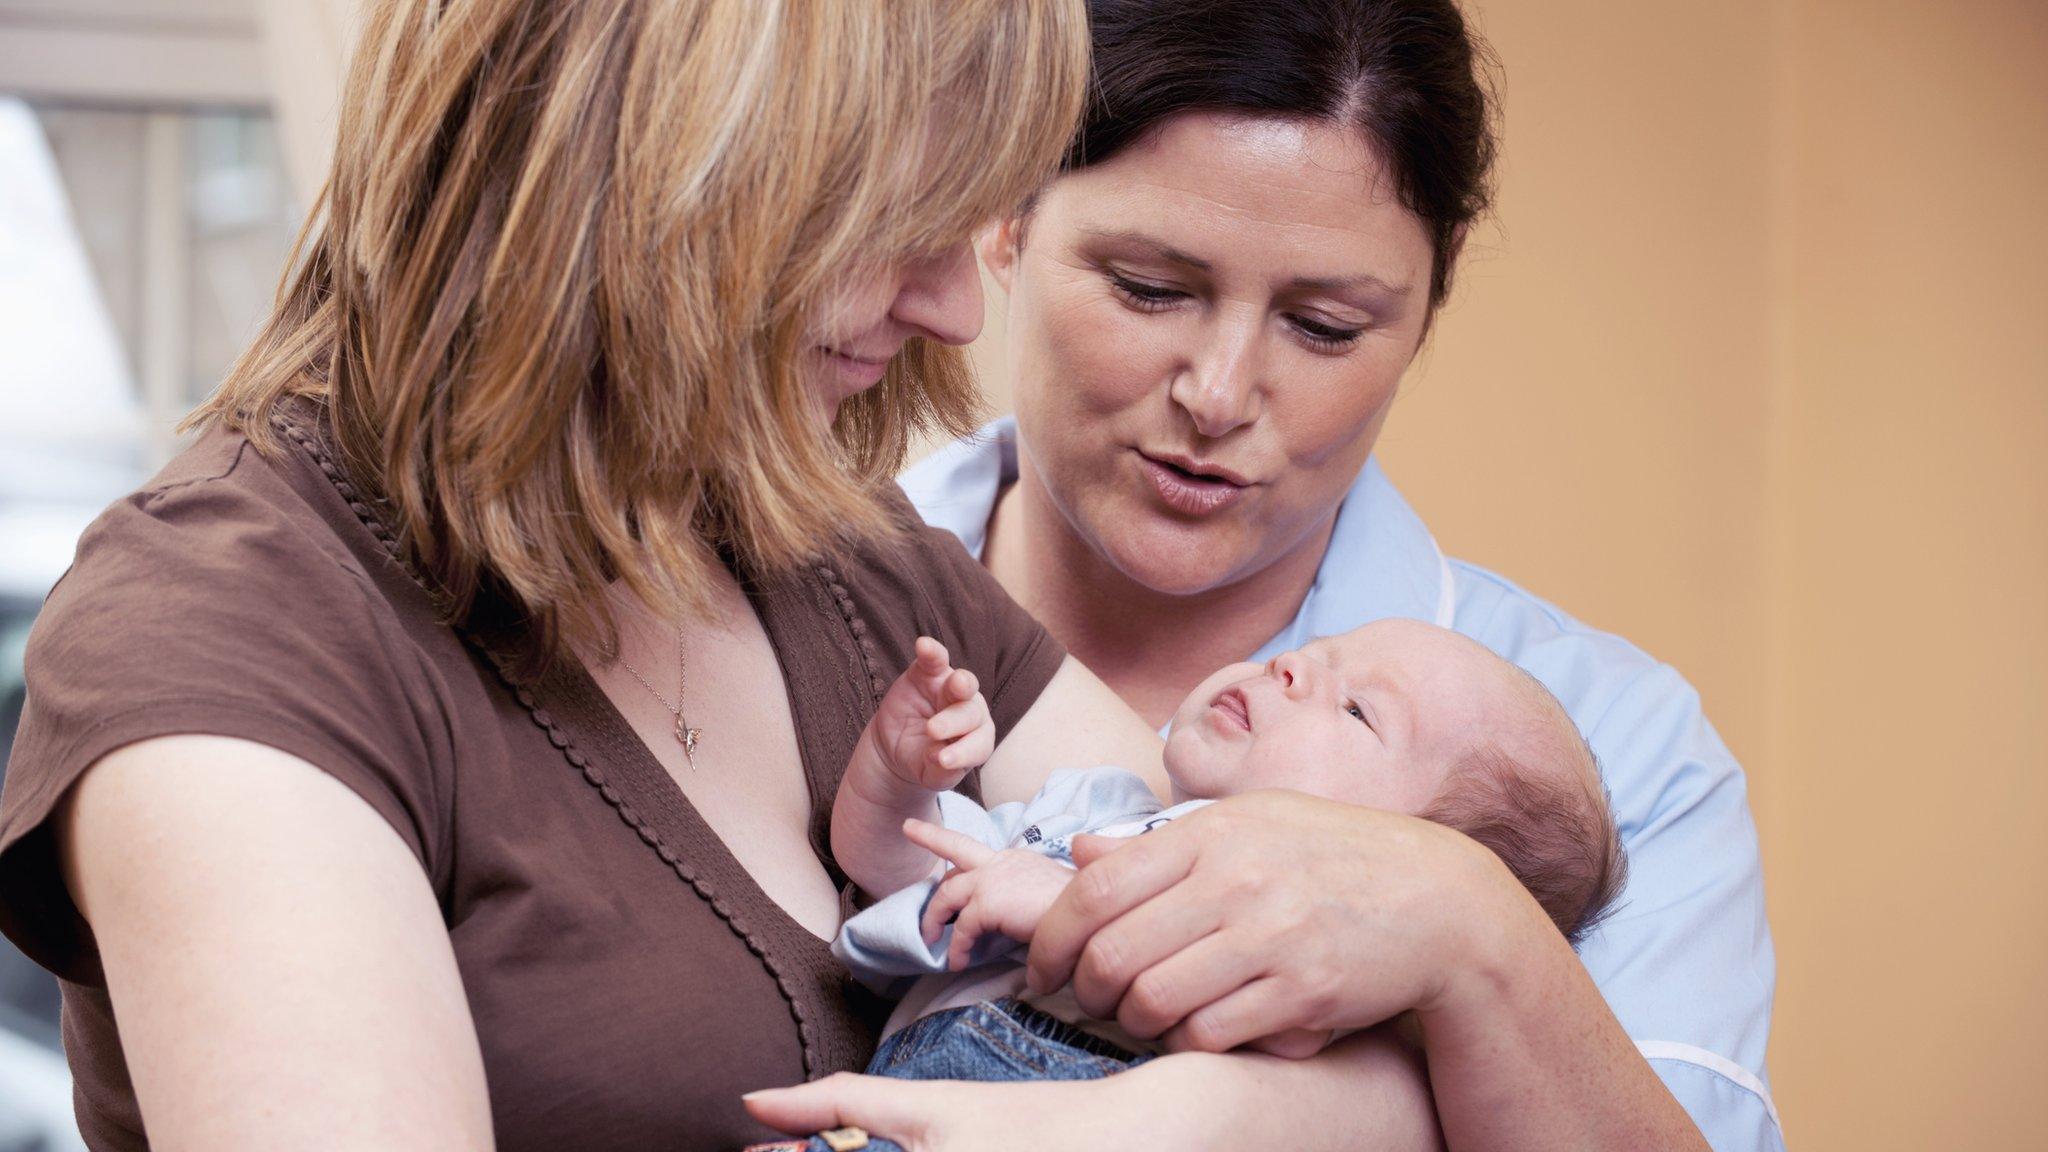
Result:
{"points": [[1007, 892], [933, 725]]}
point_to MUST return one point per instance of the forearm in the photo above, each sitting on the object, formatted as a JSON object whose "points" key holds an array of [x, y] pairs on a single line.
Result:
{"points": [[867, 823], [1524, 1053], [1367, 1091]]}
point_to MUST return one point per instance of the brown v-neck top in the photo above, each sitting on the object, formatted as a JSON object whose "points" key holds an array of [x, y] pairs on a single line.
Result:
{"points": [[627, 978]]}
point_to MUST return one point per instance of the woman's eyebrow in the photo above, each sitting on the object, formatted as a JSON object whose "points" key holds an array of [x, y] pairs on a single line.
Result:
{"points": [[1157, 247], [1342, 285]]}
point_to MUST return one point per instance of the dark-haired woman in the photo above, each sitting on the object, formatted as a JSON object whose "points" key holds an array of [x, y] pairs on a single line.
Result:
{"points": [[1209, 315]]}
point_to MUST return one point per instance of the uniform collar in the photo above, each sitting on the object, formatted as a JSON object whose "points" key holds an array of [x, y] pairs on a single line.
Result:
{"points": [[955, 488], [1381, 561]]}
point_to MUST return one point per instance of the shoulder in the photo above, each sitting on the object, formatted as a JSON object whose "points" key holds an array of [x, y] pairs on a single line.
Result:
{"points": [[221, 599], [224, 597], [222, 568], [1590, 671], [221, 517], [1692, 916], [233, 579], [955, 487], [1661, 758]]}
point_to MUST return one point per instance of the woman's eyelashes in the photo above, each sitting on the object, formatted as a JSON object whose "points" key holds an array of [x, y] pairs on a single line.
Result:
{"points": [[1142, 295], [1325, 337], [1146, 296]]}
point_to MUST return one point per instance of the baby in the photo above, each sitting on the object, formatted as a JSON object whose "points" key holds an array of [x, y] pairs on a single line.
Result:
{"points": [[1396, 715]]}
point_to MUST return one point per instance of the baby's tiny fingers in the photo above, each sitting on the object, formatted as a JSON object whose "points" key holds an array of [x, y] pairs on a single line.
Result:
{"points": [[946, 759], [956, 848], [931, 655], [954, 721], [961, 685], [967, 930], [978, 745], [952, 894]]}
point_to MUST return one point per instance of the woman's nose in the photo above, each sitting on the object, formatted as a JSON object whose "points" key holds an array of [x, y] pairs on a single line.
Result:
{"points": [[1219, 389], [941, 296]]}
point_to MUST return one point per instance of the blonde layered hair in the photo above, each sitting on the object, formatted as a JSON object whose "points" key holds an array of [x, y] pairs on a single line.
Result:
{"points": [[569, 265]]}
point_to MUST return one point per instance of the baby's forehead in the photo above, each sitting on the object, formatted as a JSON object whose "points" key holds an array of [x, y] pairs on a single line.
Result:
{"points": [[1400, 643], [1435, 667]]}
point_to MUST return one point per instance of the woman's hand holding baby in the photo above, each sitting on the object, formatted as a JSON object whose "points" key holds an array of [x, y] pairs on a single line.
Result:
{"points": [[1258, 914], [988, 891]]}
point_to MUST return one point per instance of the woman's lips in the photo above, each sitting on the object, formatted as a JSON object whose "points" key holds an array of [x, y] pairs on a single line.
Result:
{"points": [[1230, 711], [1190, 493], [864, 372]]}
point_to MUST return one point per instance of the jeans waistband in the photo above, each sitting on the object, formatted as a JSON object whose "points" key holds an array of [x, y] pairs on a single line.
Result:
{"points": [[1050, 1027]]}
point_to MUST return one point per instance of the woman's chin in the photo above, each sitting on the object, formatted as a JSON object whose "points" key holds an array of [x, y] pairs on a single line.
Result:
{"points": [[1177, 559]]}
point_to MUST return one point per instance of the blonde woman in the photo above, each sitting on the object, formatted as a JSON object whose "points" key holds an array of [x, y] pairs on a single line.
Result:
{"points": [[437, 754]]}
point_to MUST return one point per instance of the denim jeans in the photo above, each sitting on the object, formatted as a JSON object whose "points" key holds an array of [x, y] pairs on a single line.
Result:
{"points": [[994, 1040]]}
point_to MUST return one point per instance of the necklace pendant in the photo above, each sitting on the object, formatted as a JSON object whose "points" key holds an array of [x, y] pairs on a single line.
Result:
{"points": [[687, 737]]}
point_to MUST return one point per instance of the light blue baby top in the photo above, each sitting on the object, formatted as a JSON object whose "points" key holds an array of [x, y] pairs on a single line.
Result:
{"points": [[883, 945], [1685, 961]]}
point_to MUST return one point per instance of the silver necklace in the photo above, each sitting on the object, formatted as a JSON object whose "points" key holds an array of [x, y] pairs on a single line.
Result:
{"points": [[685, 735]]}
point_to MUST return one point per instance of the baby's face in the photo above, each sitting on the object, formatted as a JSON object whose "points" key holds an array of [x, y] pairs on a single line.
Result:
{"points": [[1378, 716]]}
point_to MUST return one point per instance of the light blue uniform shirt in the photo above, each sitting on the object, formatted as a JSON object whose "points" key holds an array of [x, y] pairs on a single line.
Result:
{"points": [[1685, 961]]}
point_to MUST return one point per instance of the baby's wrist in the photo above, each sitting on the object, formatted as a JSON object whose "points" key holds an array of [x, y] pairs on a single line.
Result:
{"points": [[875, 780]]}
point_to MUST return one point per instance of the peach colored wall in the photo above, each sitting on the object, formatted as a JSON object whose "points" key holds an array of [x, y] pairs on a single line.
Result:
{"points": [[1910, 567], [1752, 367]]}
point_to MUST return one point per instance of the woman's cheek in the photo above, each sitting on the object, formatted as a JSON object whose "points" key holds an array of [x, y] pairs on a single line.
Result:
{"points": [[1332, 417], [1106, 357]]}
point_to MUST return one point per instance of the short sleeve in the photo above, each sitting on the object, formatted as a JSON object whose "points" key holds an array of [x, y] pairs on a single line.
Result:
{"points": [[1686, 959], [215, 603], [929, 585], [1692, 917]]}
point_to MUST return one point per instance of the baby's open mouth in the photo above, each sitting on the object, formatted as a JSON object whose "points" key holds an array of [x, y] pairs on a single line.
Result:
{"points": [[1230, 705]]}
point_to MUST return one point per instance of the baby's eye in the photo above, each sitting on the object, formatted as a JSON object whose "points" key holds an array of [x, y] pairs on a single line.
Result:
{"points": [[1356, 713]]}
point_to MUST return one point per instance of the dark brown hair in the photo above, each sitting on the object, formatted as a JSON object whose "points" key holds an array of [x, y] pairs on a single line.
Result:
{"points": [[1408, 74], [1552, 829]]}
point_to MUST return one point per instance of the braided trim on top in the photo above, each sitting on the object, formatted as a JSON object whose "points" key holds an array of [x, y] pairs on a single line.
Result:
{"points": [[575, 757], [859, 627]]}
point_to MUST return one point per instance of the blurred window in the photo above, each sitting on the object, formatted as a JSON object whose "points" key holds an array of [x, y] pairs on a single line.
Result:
{"points": [[140, 247]]}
